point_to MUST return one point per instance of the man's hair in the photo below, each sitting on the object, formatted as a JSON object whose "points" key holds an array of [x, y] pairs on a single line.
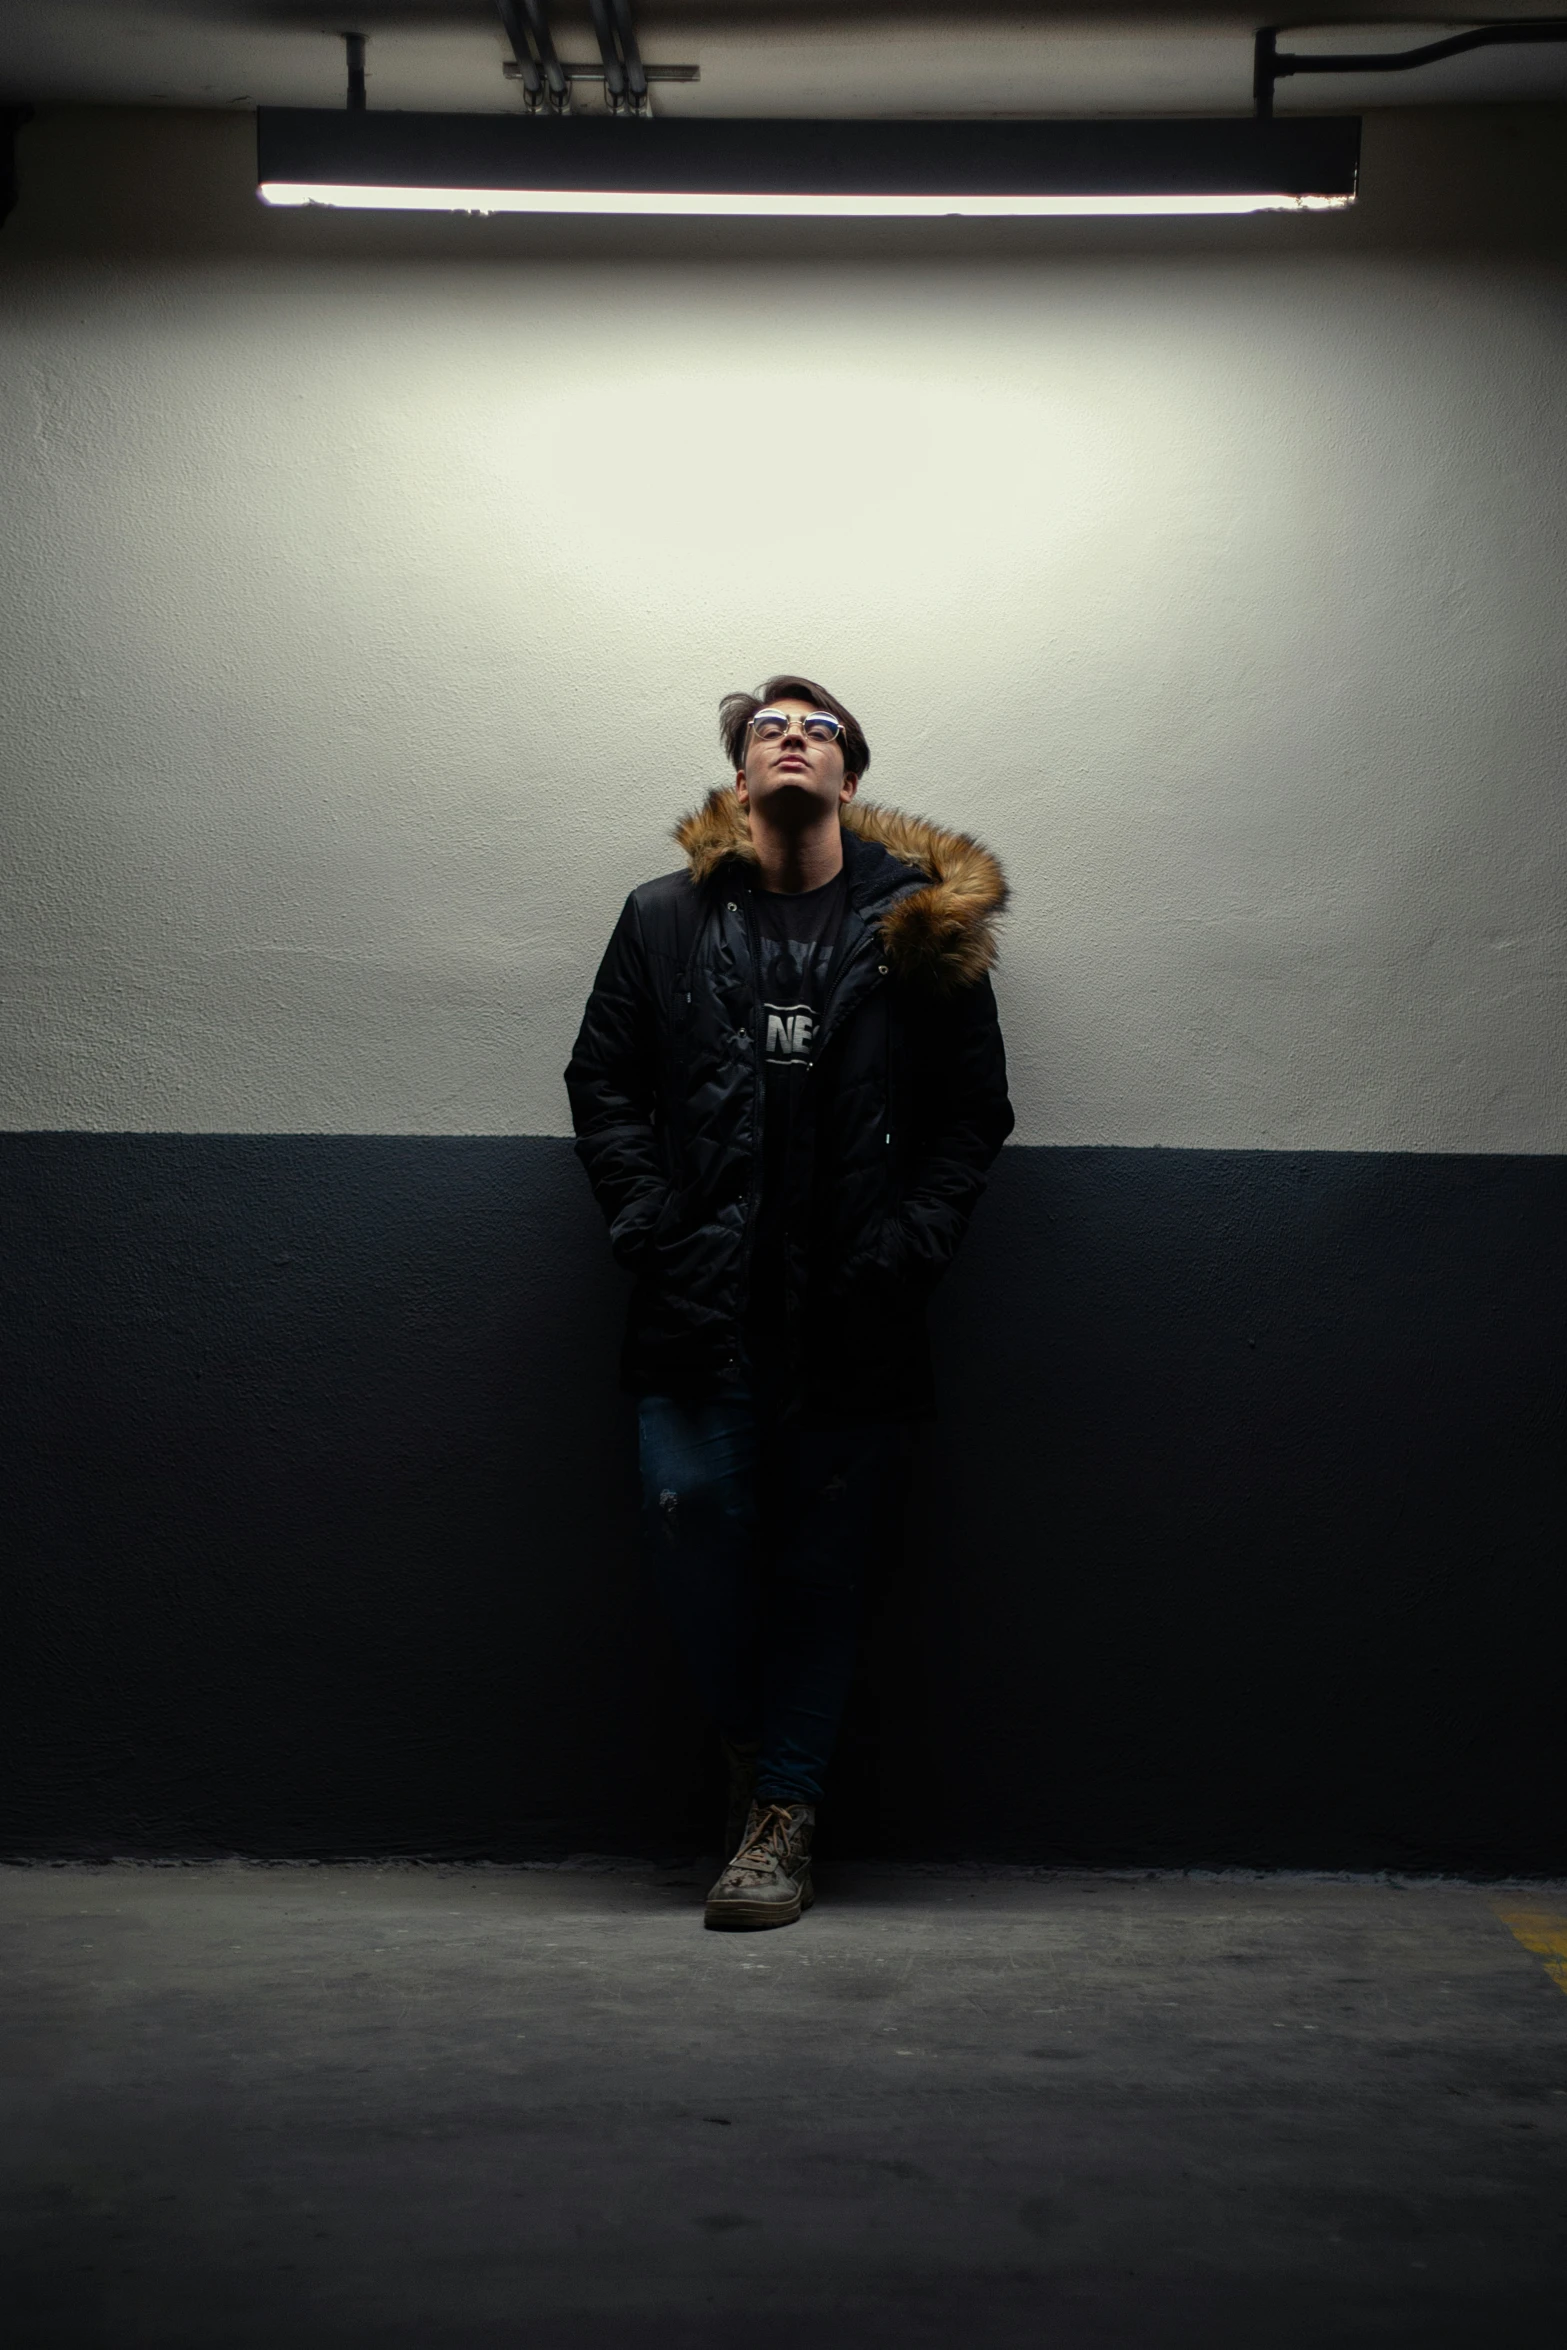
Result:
{"points": [[736, 711]]}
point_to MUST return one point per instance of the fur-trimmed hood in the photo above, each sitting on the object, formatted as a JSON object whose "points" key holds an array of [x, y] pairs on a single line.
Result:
{"points": [[942, 935]]}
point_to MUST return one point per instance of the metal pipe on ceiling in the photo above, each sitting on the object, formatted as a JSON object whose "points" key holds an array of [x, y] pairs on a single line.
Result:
{"points": [[1272, 65], [555, 81], [614, 71], [636, 77], [528, 72]]}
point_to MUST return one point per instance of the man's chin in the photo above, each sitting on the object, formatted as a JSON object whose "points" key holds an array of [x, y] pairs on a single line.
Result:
{"points": [[791, 803]]}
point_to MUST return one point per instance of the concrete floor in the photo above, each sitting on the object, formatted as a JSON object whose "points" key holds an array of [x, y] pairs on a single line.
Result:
{"points": [[429, 2106]]}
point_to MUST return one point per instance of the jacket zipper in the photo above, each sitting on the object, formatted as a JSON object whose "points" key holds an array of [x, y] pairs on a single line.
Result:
{"points": [[839, 1005], [747, 914]]}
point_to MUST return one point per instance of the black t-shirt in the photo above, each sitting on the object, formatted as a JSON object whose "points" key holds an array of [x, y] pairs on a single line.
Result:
{"points": [[797, 934]]}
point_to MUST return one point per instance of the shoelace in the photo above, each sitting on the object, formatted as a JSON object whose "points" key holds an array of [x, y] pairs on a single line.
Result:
{"points": [[770, 1842]]}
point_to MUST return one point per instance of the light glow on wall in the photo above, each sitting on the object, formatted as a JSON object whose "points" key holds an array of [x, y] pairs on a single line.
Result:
{"points": [[709, 203]]}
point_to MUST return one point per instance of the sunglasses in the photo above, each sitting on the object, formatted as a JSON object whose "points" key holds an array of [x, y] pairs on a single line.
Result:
{"points": [[817, 726]]}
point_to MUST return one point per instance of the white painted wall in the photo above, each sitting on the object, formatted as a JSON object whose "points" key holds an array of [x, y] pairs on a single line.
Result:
{"points": [[364, 623]]}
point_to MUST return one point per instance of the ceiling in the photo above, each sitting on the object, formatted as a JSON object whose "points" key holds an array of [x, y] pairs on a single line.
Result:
{"points": [[755, 56]]}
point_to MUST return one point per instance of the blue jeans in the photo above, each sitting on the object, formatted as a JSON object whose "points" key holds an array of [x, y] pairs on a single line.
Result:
{"points": [[762, 1535]]}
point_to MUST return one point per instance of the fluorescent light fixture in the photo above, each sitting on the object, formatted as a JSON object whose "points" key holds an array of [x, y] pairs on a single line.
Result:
{"points": [[778, 168], [762, 205], [758, 205]]}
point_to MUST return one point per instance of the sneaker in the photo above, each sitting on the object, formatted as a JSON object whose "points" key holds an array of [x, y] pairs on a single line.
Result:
{"points": [[768, 1883]]}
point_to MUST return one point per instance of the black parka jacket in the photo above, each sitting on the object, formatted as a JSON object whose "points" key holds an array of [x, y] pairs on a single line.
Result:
{"points": [[905, 1108]]}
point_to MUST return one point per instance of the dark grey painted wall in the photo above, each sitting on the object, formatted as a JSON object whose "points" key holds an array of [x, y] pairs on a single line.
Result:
{"points": [[1239, 1541]]}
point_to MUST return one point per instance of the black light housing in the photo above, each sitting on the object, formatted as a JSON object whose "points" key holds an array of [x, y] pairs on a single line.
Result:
{"points": [[778, 166]]}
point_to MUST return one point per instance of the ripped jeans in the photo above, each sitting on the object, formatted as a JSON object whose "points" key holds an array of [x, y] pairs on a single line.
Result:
{"points": [[761, 1534]]}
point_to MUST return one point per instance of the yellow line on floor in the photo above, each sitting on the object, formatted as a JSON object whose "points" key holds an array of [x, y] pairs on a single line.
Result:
{"points": [[1542, 1932]]}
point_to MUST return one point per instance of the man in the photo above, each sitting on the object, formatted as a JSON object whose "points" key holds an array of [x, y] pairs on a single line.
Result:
{"points": [[787, 1088]]}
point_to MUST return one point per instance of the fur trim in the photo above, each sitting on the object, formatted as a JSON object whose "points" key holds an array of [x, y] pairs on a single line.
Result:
{"points": [[720, 828], [943, 936]]}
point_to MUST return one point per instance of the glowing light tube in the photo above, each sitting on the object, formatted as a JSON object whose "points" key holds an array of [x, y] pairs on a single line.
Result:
{"points": [[761, 204], [780, 168]]}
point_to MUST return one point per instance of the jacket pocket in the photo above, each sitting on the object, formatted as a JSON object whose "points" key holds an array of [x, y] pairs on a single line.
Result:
{"points": [[634, 1236], [878, 1268]]}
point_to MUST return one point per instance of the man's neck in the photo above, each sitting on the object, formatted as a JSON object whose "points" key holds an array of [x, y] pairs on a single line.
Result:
{"points": [[792, 861]]}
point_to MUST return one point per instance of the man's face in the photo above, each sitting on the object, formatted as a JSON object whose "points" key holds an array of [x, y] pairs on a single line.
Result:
{"points": [[793, 777]]}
